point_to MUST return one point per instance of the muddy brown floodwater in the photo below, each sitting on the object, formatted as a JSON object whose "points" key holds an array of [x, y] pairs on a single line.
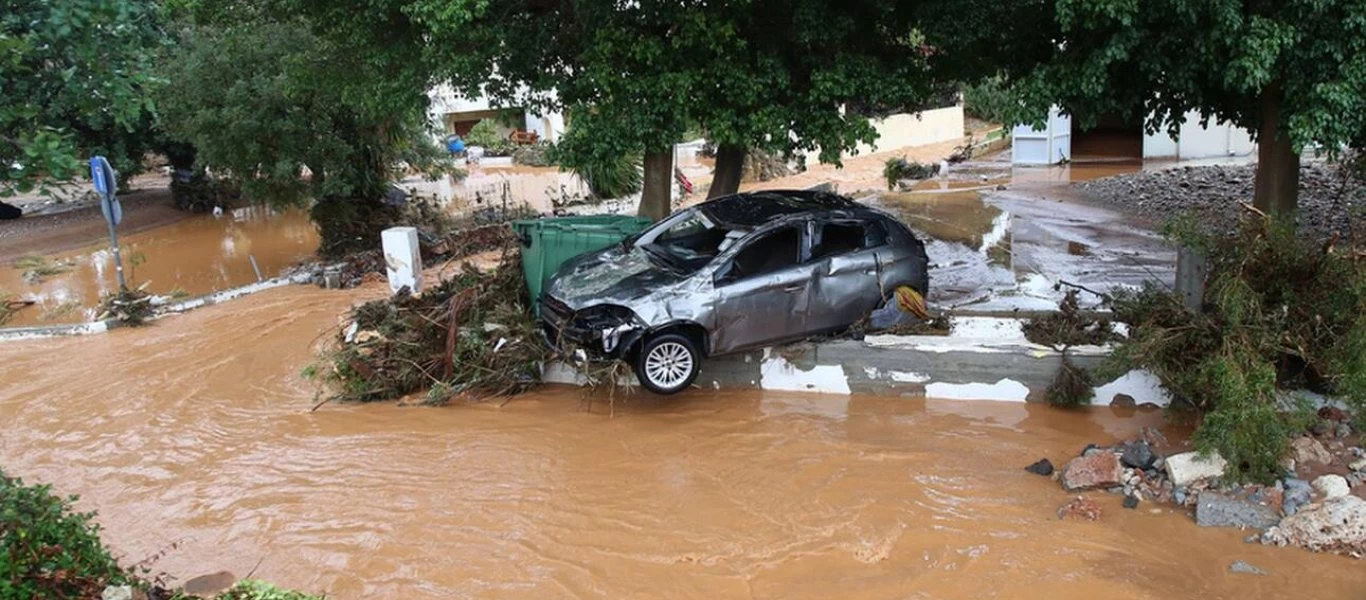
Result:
{"points": [[196, 432], [196, 255]]}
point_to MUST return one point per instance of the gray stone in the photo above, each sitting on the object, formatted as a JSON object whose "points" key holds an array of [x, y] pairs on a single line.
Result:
{"points": [[1321, 428], [210, 585], [1332, 486], [1357, 465], [1188, 467], [1245, 568], [1179, 495], [1091, 450], [1216, 509], [1130, 501], [1342, 430], [1138, 455], [1308, 451], [1123, 401], [1043, 467], [1334, 525]]}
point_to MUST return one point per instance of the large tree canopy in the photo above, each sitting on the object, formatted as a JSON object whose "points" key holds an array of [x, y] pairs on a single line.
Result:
{"points": [[293, 115], [76, 81], [784, 75], [1291, 71]]}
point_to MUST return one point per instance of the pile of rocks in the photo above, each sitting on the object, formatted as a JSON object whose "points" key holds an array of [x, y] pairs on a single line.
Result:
{"points": [[1327, 200], [1318, 504]]}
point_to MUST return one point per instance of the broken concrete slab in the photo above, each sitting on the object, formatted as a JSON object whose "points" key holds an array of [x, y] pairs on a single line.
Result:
{"points": [[1098, 470], [1219, 509], [1189, 467]]}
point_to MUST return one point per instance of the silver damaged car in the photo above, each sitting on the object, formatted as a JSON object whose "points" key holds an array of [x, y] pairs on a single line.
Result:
{"points": [[731, 274]]}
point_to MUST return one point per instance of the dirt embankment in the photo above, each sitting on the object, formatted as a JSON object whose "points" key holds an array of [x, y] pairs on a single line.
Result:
{"points": [[1328, 202], [72, 229]]}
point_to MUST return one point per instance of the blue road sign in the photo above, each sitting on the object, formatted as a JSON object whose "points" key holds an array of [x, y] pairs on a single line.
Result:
{"points": [[106, 183]]}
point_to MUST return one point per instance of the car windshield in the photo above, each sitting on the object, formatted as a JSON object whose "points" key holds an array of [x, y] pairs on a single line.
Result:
{"points": [[690, 242]]}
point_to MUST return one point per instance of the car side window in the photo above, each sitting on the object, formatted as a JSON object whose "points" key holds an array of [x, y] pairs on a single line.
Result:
{"points": [[837, 238], [774, 252]]}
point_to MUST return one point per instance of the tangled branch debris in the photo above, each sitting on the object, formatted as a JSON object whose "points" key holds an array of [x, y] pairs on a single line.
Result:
{"points": [[35, 268], [899, 169], [9, 305], [131, 307], [1281, 312], [470, 335], [1069, 327]]}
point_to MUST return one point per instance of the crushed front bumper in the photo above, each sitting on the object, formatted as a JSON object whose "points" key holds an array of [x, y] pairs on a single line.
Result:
{"points": [[566, 331]]}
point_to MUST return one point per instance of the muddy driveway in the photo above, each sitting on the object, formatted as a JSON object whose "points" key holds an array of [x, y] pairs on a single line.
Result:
{"points": [[196, 433]]}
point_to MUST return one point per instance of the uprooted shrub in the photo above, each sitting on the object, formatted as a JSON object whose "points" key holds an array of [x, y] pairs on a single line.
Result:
{"points": [[897, 169], [471, 334], [1279, 313]]}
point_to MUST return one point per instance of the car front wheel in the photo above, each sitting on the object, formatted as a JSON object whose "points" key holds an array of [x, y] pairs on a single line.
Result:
{"points": [[667, 363]]}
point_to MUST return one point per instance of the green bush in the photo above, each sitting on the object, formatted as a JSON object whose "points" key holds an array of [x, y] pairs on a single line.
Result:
{"points": [[1280, 313], [484, 134], [990, 100], [47, 550], [253, 589]]}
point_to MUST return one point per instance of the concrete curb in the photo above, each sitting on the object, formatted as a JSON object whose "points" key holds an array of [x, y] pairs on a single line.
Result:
{"points": [[14, 334], [987, 358]]}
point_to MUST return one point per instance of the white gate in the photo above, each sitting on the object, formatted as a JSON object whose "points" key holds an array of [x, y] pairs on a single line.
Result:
{"points": [[1048, 146]]}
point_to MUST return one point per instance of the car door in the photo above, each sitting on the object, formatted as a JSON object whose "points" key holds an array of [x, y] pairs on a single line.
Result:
{"points": [[763, 291], [846, 258]]}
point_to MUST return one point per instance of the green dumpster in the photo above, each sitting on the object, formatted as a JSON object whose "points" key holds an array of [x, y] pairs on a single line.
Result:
{"points": [[547, 243]]}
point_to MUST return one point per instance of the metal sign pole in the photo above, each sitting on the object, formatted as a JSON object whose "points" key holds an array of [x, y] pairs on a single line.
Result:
{"points": [[118, 261], [106, 183]]}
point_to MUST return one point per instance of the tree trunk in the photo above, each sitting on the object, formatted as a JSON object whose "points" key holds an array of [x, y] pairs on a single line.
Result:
{"points": [[655, 196], [1278, 165], [730, 169]]}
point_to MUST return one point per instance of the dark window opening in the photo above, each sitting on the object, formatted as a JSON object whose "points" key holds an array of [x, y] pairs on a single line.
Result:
{"points": [[774, 252], [839, 238]]}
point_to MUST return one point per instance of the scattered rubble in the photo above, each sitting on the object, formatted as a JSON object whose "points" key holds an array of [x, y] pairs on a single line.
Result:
{"points": [[1324, 515], [1326, 199], [366, 266], [1081, 507]]}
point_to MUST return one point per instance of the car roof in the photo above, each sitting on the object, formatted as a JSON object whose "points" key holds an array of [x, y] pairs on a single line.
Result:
{"points": [[752, 209]]}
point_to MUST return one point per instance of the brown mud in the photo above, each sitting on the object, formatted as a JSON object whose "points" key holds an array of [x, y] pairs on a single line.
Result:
{"points": [[197, 432]]}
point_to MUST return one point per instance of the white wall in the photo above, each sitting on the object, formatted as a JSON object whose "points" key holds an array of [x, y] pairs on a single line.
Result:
{"points": [[906, 129], [1196, 141], [444, 101]]}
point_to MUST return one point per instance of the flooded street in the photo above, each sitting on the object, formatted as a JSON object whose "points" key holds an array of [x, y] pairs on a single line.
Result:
{"points": [[196, 255], [196, 432]]}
